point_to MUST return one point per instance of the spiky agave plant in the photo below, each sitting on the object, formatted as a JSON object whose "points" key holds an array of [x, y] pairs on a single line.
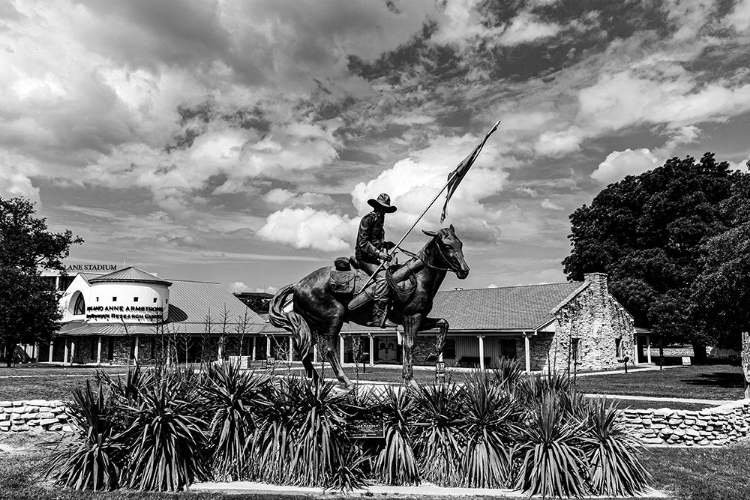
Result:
{"points": [[611, 453], [438, 432], [396, 463], [349, 474], [508, 372], [231, 395], [95, 460], [491, 417], [551, 460], [165, 439]]}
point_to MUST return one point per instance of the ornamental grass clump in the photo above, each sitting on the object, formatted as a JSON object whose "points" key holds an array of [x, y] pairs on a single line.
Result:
{"points": [[396, 462], [438, 432], [491, 416], [552, 462], [611, 453], [231, 397], [301, 436], [95, 461]]}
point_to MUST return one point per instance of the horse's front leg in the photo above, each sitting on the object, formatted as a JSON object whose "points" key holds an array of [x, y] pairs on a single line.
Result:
{"points": [[411, 327]]}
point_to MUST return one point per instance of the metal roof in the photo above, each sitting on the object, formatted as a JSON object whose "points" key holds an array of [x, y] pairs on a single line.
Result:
{"points": [[129, 275]]}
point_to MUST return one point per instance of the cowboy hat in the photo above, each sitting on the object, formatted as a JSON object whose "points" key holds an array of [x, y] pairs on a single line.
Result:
{"points": [[384, 202]]}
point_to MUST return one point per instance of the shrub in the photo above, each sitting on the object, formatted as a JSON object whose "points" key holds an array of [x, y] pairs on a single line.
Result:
{"points": [[552, 462], [396, 463], [613, 465], [508, 372], [95, 462], [165, 438], [231, 395], [491, 416], [438, 436]]}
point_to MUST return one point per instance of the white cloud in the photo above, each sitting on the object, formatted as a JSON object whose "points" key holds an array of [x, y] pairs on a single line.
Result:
{"points": [[620, 164], [526, 28], [15, 178], [739, 18], [558, 144], [280, 196], [548, 205], [238, 286], [309, 228]]}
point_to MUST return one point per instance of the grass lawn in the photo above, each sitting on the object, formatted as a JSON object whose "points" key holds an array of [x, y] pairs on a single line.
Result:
{"points": [[692, 382], [684, 473], [31, 381]]}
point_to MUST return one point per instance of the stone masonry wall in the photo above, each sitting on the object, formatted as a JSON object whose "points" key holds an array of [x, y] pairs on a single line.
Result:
{"points": [[36, 415], [598, 323], [713, 426]]}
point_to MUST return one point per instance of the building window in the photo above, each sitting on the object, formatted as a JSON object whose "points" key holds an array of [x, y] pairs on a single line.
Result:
{"points": [[114, 299], [575, 350], [449, 351], [154, 300], [618, 348], [80, 307], [508, 348], [153, 348], [111, 349], [135, 299], [94, 350]]}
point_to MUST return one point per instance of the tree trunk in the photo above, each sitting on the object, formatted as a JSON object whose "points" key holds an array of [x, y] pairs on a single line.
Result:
{"points": [[699, 353], [9, 350]]}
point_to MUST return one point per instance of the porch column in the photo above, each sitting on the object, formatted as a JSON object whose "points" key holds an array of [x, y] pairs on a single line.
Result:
{"points": [[66, 353], [99, 350], [220, 349], [648, 348], [35, 350], [51, 348], [341, 349], [481, 351], [268, 347], [255, 344], [315, 353], [527, 351], [135, 351], [372, 350], [290, 353], [635, 350], [72, 351]]}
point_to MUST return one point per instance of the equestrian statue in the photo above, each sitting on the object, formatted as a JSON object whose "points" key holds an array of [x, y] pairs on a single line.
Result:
{"points": [[369, 290]]}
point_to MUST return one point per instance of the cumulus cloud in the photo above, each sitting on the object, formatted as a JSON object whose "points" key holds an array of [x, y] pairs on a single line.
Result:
{"points": [[739, 17], [310, 228], [526, 28], [558, 144], [620, 164], [548, 205], [280, 196]]}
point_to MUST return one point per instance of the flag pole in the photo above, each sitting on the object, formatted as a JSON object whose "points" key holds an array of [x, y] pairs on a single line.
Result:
{"points": [[451, 177]]}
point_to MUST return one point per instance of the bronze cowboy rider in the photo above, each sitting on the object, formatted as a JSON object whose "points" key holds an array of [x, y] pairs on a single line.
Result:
{"points": [[371, 250]]}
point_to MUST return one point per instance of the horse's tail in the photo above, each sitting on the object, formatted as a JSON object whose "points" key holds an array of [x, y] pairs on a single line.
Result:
{"points": [[290, 320]]}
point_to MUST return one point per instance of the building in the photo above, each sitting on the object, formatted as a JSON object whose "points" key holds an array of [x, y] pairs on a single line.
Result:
{"points": [[563, 326], [131, 314]]}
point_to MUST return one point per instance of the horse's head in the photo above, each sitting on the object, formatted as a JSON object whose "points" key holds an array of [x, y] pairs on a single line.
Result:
{"points": [[450, 249]]}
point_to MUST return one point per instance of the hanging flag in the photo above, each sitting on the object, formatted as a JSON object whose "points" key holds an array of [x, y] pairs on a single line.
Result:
{"points": [[455, 177]]}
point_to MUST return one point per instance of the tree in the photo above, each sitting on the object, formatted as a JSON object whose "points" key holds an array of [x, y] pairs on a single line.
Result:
{"points": [[647, 233], [28, 308]]}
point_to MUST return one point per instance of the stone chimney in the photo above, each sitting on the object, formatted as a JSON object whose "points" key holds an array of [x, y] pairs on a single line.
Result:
{"points": [[599, 288]]}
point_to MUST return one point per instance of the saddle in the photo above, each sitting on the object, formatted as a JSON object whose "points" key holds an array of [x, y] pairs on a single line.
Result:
{"points": [[348, 279]]}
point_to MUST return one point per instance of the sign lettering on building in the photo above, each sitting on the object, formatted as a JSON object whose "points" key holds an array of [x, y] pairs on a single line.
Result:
{"points": [[91, 267]]}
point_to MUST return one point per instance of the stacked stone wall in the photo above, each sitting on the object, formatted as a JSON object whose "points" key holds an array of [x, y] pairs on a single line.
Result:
{"points": [[36, 415], [710, 427]]}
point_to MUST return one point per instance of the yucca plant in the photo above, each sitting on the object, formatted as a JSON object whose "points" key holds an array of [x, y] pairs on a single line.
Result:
{"points": [[165, 439], [508, 372], [396, 463], [491, 416], [614, 468], [350, 473], [94, 462], [301, 436], [231, 395], [438, 432], [551, 460]]}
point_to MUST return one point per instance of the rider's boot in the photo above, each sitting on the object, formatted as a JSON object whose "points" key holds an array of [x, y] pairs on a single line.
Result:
{"points": [[380, 315]]}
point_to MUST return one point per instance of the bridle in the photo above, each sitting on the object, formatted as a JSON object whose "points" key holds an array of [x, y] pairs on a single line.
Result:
{"points": [[422, 255]]}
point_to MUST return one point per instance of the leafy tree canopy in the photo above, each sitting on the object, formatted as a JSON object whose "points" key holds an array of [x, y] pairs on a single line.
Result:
{"points": [[647, 233], [28, 308]]}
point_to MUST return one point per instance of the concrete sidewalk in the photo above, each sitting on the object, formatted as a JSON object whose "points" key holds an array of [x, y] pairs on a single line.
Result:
{"points": [[424, 490]]}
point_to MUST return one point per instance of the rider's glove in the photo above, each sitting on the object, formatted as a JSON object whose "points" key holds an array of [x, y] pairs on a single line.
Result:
{"points": [[385, 256]]}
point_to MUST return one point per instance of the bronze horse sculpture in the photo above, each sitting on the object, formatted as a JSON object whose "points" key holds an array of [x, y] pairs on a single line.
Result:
{"points": [[309, 309]]}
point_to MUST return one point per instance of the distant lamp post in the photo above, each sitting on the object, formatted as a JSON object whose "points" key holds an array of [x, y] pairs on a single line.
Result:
{"points": [[624, 361]]}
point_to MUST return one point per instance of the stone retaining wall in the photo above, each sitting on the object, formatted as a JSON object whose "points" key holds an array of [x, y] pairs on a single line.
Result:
{"points": [[713, 426], [35, 415]]}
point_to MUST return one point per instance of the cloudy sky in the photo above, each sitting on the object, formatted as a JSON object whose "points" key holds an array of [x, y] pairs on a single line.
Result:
{"points": [[238, 141]]}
